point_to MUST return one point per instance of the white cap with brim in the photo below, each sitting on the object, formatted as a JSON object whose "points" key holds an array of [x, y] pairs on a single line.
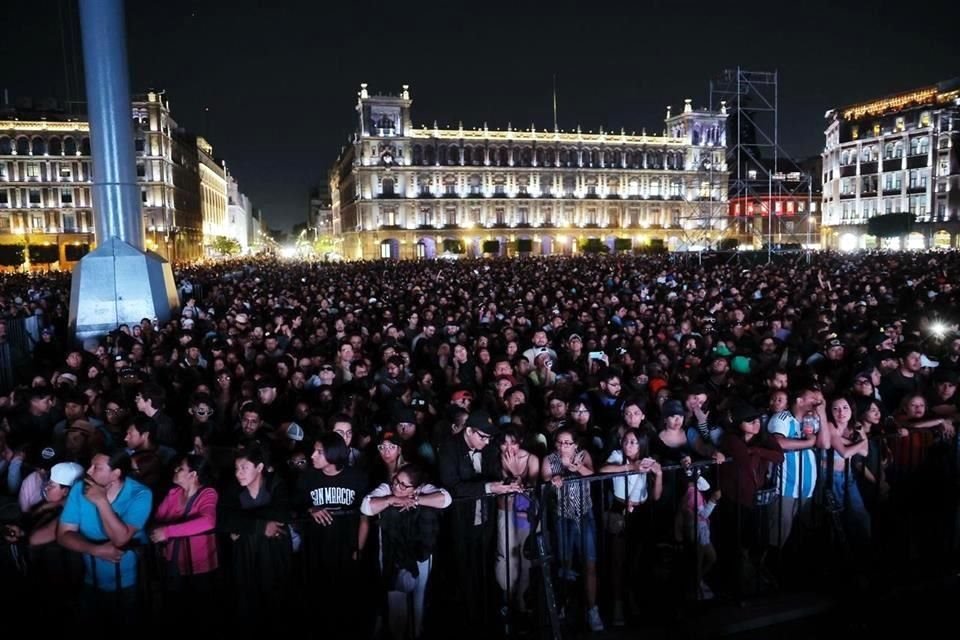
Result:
{"points": [[66, 473]]}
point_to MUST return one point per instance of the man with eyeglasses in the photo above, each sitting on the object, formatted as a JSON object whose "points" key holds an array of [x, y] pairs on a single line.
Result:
{"points": [[469, 469]]}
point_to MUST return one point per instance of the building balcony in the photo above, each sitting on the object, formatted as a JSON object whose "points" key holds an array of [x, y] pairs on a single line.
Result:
{"points": [[450, 196], [848, 170], [917, 189], [847, 196], [892, 192], [867, 168], [892, 164], [916, 162]]}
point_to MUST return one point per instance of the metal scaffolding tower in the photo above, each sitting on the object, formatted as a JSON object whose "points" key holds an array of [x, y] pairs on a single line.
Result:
{"points": [[761, 172]]}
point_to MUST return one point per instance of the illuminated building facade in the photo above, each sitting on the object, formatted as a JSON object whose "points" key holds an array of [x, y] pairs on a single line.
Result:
{"points": [[403, 192], [168, 168], [46, 213], [897, 154], [46, 219], [213, 193]]}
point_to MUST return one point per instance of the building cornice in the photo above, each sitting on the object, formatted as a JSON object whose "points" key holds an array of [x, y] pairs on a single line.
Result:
{"points": [[43, 125]]}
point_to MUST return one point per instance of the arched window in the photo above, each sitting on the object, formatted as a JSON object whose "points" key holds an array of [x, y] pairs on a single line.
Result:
{"points": [[453, 155], [523, 157], [429, 155], [5, 146], [54, 147], [417, 155], [538, 157], [503, 157], [898, 150], [888, 151], [37, 146], [69, 147], [23, 146], [478, 156], [549, 157]]}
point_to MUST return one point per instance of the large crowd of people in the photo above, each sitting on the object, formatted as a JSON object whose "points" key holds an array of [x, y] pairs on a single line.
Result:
{"points": [[382, 444]]}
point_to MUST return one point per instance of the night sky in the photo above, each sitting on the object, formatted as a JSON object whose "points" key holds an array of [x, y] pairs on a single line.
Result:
{"points": [[280, 78]]}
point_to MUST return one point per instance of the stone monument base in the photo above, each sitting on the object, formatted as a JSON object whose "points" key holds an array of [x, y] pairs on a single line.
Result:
{"points": [[119, 284]]}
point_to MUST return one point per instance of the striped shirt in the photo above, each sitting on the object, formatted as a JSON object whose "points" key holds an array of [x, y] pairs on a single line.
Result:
{"points": [[798, 466]]}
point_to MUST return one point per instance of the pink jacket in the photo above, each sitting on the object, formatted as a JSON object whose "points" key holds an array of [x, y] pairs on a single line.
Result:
{"points": [[195, 528]]}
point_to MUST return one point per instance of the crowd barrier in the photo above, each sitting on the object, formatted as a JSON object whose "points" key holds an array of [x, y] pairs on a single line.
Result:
{"points": [[493, 576]]}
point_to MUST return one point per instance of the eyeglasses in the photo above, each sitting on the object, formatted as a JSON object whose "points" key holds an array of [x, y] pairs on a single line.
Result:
{"points": [[403, 485], [386, 445], [580, 411], [203, 412], [480, 434], [565, 443], [114, 412]]}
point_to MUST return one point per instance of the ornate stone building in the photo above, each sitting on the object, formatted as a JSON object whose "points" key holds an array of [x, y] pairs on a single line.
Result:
{"points": [[897, 154], [404, 192], [46, 213]]}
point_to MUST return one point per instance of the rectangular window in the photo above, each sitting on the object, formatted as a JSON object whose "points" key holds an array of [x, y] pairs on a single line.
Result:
{"points": [[34, 197], [33, 170], [5, 222], [37, 221], [69, 222], [4, 198], [66, 196], [941, 211], [139, 144]]}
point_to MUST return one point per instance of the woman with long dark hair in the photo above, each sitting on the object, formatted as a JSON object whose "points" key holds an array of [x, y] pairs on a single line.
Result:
{"points": [[409, 523], [185, 524], [624, 522]]}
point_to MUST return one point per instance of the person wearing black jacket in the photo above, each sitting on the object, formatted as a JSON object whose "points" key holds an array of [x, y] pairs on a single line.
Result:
{"points": [[468, 468], [254, 511]]}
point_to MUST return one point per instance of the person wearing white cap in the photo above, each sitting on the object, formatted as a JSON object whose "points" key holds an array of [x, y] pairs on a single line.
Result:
{"points": [[40, 523]]}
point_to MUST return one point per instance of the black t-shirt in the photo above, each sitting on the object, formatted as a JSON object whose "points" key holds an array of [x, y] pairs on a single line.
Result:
{"points": [[343, 491], [331, 547]]}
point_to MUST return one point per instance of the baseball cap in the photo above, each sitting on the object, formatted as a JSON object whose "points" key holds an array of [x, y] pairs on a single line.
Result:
{"points": [[480, 421], [463, 394], [295, 432], [743, 412], [404, 415], [672, 408], [66, 473]]}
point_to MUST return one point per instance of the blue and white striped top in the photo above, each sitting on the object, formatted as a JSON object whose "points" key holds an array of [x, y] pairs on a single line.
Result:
{"points": [[797, 465]]}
